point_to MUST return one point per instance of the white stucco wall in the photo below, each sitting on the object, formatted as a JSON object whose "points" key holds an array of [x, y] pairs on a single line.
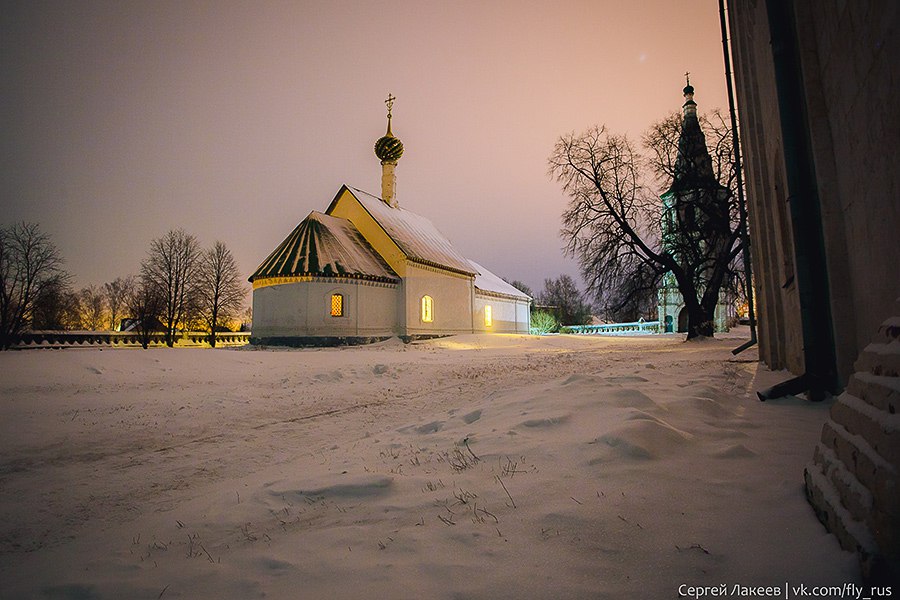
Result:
{"points": [[508, 315], [452, 295], [303, 309]]}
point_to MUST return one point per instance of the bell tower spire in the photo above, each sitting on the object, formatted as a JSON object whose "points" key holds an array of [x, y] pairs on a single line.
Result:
{"points": [[689, 106]]}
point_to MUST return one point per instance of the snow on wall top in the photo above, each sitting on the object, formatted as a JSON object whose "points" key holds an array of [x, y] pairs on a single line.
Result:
{"points": [[488, 282], [325, 246], [416, 236]]}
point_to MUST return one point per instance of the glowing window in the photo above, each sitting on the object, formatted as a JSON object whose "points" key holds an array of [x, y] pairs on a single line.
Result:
{"points": [[427, 309], [337, 305], [488, 316]]}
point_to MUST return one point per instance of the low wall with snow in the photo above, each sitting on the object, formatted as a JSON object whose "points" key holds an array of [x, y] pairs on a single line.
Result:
{"points": [[70, 339]]}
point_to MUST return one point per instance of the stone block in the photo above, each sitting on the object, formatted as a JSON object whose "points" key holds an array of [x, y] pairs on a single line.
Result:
{"points": [[872, 471], [853, 495], [878, 428], [878, 391], [851, 534], [880, 359]]}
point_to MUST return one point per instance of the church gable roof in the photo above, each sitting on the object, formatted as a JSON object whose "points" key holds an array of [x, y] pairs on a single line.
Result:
{"points": [[488, 282], [322, 245], [415, 235]]}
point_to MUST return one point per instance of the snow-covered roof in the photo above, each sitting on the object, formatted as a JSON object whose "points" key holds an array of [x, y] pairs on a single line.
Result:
{"points": [[326, 246], [488, 282], [415, 235]]}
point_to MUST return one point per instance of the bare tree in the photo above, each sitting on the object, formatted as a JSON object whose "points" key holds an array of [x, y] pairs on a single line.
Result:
{"points": [[171, 268], [247, 318], [520, 285], [145, 304], [56, 308], [661, 141], [563, 297], [221, 290], [117, 292], [92, 308], [29, 264], [627, 237]]}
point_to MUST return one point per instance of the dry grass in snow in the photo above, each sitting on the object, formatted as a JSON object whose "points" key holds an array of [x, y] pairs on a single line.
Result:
{"points": [[468, 467]]}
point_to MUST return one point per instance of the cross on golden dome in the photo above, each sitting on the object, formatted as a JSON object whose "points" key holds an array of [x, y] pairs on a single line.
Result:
{"points": [[390, 103], [388, 148]]}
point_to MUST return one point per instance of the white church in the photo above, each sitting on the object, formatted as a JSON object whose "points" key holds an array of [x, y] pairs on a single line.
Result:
{"points": [[366, 270]]}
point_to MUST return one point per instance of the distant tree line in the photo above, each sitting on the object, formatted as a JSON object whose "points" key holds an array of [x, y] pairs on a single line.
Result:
{"points": [[559, 303], [180, 287]]}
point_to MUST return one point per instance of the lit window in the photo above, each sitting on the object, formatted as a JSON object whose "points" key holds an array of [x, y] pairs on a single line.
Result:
{"points": [[488, 316], [427, 309], [337, 305]]}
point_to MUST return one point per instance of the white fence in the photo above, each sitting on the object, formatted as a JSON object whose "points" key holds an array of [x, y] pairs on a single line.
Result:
{"points": [[639, 327]]}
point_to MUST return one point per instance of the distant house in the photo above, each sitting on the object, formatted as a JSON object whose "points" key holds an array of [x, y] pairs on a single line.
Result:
{"points": [[130, 324], [366, 270]]}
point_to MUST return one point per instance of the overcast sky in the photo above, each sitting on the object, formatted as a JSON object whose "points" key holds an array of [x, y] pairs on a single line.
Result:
{"points": [[233, 120]]}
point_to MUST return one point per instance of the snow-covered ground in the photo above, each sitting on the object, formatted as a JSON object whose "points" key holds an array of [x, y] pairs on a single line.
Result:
{"points": [[468, 467]]}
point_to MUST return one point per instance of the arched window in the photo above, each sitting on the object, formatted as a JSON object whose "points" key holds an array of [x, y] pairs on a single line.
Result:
{"points": [[337, 305], [427, 309], [488, 316]]}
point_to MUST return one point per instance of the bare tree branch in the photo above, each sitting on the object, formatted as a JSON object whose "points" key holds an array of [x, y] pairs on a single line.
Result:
{"points": [[92, 308], [117, 293], [171, 268], [626, 237], [30, 264], [145, 304], [221, 290]]}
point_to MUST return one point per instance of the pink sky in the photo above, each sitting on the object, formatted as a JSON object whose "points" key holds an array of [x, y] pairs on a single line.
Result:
{"points": [[233, 120]]}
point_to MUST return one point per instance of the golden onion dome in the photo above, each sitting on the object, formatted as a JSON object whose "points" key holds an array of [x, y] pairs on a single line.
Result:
{"points": [[388, 148]]}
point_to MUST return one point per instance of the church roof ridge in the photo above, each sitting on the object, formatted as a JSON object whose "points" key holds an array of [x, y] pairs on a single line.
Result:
{"points": [[488, 282], [414, 234]]}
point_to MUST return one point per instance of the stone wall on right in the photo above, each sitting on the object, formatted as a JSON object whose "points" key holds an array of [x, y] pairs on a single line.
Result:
{"points": [[849, 55]]}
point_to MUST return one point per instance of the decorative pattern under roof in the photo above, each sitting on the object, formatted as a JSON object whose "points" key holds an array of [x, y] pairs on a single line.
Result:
{"points": [[323, 245], [488, 282], [416, 236]]}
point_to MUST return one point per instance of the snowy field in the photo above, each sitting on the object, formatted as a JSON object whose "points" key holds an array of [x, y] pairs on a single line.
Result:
{"points": [[469, 467]]}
